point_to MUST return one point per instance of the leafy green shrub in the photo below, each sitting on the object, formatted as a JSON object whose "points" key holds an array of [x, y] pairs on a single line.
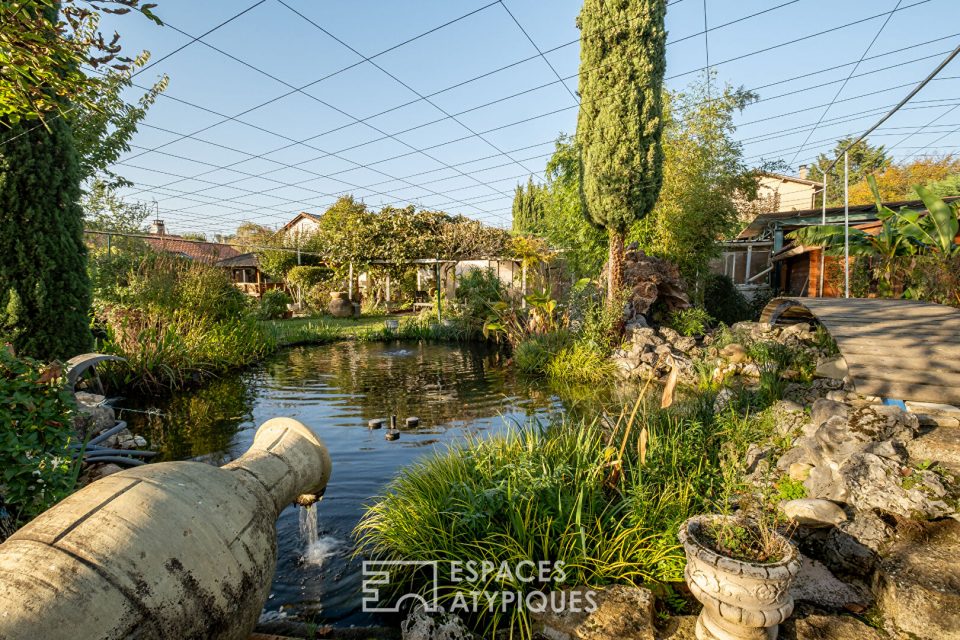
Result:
{"points": [[533, 354], [273, 304], [37, 417], [206, 291], [599, 320], [477, 291], [761, 297], [724, 302], [690, 322]]}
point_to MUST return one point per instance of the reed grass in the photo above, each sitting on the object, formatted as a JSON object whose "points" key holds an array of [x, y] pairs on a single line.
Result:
{"points": [[606, 500]]}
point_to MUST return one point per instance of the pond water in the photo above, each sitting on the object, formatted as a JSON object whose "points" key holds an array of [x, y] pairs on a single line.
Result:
{"points": [[455, 390]]}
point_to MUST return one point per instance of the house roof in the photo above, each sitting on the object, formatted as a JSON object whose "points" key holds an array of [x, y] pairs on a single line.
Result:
{"points": [[193, 249], [241, 261], [300, 216], [780, 176], [804, 218]]}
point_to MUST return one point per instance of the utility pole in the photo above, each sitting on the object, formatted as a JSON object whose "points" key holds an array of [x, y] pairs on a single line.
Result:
{"points": [[846, 224], [823, 222]]}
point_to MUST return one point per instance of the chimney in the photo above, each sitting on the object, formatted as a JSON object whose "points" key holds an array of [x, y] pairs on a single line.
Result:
{"points": [[803, 172], [157, 227]]}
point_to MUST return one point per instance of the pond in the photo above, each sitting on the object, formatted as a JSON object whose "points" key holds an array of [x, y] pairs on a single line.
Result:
{"points": [[455, 390]]}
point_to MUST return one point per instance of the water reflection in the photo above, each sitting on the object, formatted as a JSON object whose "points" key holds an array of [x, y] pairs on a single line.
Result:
{"points": [[335, 390], [193, 424]]}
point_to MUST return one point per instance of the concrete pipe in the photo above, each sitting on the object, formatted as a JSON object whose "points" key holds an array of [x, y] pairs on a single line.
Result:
{"points": [[168, 550]]}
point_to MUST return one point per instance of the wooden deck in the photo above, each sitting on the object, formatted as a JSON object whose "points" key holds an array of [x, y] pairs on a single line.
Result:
{"points": [[893, 348]]}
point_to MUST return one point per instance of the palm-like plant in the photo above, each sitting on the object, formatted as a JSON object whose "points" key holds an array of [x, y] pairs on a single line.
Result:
{"points": [[902, 233]]}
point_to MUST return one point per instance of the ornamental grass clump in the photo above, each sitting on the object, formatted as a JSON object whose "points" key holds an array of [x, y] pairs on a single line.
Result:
{"points": [[604, 501]]}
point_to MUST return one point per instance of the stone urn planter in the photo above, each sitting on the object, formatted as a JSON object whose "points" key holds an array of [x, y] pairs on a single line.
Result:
{"points": [[340, 306], [741, 600]]}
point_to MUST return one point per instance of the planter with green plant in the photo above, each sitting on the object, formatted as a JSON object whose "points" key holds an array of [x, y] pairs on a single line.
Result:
{"points": [[741, 571]]}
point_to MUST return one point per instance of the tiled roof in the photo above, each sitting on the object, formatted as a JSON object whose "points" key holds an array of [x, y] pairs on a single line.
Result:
{"points": [[193, 249]]}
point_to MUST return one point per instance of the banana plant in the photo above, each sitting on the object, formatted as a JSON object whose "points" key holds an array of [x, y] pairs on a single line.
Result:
{"points": [[936, 231]]}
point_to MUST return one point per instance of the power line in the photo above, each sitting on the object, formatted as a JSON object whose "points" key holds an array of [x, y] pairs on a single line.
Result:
{"points": [[512, 124], [403, 84], [175, 51], [196, 38], [905, 100], [794, 41], [842, 86], [342, 69], [462, 83], [328, 105], [539, 52]]}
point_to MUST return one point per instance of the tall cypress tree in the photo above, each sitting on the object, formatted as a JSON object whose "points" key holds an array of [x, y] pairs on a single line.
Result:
{"points": [[622, 62], [528, 208], [44, 289]]}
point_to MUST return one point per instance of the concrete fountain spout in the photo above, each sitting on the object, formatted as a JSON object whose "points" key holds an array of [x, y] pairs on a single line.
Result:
{"points": [[167, 550]]}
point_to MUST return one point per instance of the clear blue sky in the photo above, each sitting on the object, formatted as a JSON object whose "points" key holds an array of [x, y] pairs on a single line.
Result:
{"points": [[311, 147]]}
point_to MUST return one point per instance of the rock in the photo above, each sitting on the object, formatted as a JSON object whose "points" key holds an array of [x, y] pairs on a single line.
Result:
{"points": [[621, 612], [98, 471], [852, 546], [889, 449], [679, 628], [755, 330], [933, 408], [126, 440], [735, 353], [756, 454], [835, 367], [883, 422], [670, 335], [788, 416], [93, 415], [821, 627], [824, 409], [644, 336], [750, 370], [824, 481], [795, 329], [940, 445], [873, 482], [722, 402], [804, 451], [837, 441], [799, 471], [813, 512], [89, 399], [918, 584], [787, 406], [685, 344], [807, 394], [816, 584], [420, 625], [837, 396]]}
